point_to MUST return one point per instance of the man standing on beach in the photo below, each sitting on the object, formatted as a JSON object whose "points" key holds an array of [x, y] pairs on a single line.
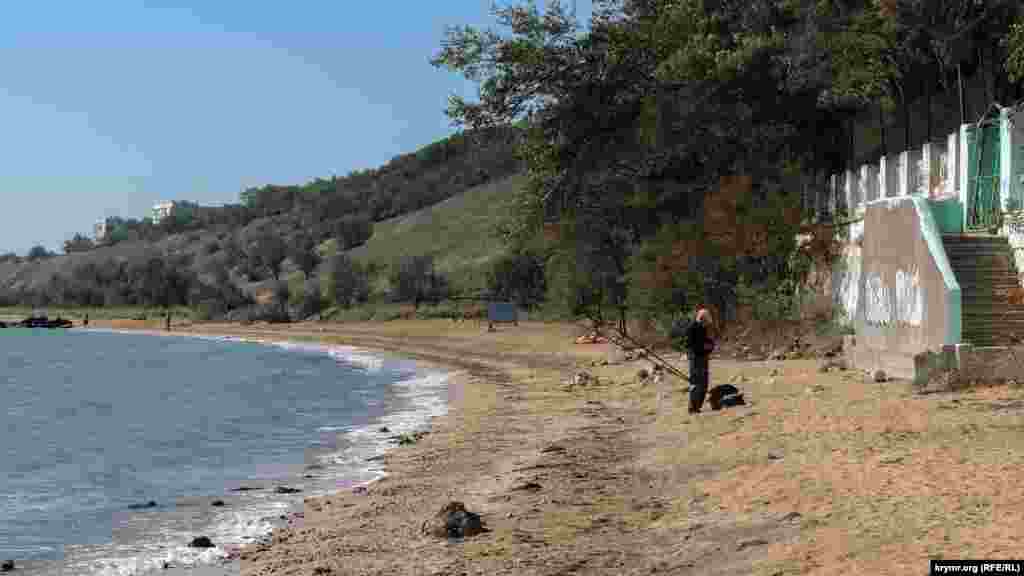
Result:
{"points": [[699, 346]]}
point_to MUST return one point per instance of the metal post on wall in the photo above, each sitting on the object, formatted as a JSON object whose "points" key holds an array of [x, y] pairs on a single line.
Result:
{"points": [[928, 106], [960, 89]]}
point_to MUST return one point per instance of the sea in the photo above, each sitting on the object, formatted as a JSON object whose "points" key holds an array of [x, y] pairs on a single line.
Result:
{"points": [[115, 446]]}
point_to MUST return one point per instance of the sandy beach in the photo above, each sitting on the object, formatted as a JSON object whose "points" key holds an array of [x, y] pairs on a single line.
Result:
{"points": [[821, 473]]}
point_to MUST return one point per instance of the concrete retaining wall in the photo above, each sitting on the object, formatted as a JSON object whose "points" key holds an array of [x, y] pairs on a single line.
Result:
{"points": [[905, 299], [958, 366]]}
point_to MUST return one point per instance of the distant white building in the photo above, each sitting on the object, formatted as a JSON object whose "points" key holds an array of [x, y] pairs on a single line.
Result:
{"points": [[100, 231], [161, 211]]}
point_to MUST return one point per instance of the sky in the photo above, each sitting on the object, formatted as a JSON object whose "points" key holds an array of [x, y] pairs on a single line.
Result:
{"points": [[109, 107]]}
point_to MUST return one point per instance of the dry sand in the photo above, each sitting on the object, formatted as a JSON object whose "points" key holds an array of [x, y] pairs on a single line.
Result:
{"points": [[819, 474]]}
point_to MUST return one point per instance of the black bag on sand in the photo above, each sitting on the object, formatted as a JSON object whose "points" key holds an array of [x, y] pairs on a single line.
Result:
{"points": [[725, 395]]}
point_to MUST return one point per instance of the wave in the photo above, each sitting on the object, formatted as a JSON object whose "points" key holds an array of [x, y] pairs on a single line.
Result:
{"points": [[425, 398], [421, 395]]}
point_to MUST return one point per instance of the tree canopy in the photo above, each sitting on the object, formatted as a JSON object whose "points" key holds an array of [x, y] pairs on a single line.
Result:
{"points": [[670, 140]]}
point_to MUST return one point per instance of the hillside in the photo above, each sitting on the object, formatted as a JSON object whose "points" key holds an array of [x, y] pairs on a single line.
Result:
{"points": [[429, 201], [456, 232]]}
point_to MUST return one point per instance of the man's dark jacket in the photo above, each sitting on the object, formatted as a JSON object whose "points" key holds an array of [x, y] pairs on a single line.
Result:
{"points": [[697, 340]]}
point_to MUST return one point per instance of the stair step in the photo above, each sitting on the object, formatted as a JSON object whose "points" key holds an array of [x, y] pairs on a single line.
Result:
{"points": [[976, 243], [991, 326], [980, 237], [980, 297], [981, 260], [985, 247], [963, 248]]}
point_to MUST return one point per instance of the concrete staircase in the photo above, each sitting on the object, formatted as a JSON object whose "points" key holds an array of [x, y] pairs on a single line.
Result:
{"points": [[984, 267]]}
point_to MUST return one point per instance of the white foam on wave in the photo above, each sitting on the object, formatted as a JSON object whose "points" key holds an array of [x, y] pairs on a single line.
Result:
{"points": [[229, 529], [345, 354], [332, 428], [422, 395]]}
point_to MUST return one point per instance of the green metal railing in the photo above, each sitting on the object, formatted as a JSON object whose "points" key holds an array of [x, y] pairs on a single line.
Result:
{"points": [[983, 207]]}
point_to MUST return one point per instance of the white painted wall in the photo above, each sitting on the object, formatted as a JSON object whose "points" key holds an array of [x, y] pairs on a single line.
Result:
{"points": [[908, 298], [962, 177], [952, 176], [846, 284], [905, 174], [868, 183], [919, 172]]}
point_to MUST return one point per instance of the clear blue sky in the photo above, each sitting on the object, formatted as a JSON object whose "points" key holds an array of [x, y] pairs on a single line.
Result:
{"points": [[108, 107]]}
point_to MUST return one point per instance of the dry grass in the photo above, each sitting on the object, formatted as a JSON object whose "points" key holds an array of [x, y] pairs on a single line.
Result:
{"points": [[819, 474]]}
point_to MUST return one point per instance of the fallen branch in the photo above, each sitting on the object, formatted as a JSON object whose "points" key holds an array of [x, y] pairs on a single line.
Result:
{"points": [[625, 341], [810, 227]]}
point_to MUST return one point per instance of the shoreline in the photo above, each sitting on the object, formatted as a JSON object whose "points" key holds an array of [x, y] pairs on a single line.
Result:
{"points": [[450, 376], [821, 472]]}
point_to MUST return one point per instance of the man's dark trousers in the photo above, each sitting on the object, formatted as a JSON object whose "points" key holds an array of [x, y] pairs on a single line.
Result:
{"points": [[698, 380]]}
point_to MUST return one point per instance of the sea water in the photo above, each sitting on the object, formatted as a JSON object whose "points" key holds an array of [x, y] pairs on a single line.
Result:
{"points": [[95, 424]]}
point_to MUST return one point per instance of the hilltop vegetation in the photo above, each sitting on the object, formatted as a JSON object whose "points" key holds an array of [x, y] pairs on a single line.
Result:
{"points": [[223, 258]]}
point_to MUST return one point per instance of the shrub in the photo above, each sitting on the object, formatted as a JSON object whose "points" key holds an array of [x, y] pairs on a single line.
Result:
{"points": [[347, 282], [311, 302]]}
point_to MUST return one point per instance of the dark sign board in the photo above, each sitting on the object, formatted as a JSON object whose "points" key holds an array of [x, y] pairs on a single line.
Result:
{"points": [[501, 312]]}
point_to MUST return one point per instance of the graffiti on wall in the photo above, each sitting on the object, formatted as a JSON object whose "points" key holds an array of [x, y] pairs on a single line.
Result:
{"points": [[909, 297], [902, 305], [877, 301], [847, 282]]}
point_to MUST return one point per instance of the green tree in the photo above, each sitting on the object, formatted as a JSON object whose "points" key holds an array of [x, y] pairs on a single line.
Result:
{"points": [[267, 251], [414, 279], [302, 251], [634, 124], [38, 252], [312, 301], [78, 243], [518, 277], [347, 281], [282, 294]]}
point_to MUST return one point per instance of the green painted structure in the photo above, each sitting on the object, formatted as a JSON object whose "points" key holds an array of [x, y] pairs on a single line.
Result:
{"points": [[948, 215], [983, 171]]}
